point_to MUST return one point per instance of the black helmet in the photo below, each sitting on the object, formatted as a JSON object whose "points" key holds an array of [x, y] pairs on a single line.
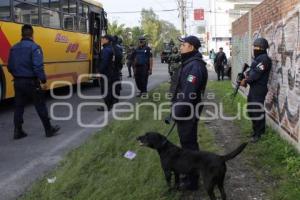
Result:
{"points": [[142, 38], [262, 43]]}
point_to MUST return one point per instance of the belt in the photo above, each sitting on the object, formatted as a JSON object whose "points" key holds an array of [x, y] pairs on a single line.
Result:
{"points": [[24, 77]]}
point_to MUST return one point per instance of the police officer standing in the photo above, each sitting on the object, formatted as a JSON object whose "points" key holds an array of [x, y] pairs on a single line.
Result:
{"points": [[142, 65], [27, 67], [191, 85], [175, 61], [257, 77], [219, 62], [105, 68], [117, 66], [129, 59]]}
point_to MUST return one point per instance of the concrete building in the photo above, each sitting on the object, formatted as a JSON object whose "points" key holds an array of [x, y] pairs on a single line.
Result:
{"points": [[221, 14]]}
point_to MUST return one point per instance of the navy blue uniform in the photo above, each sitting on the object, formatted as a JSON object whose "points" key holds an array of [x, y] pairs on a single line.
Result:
{"points": [[141, 57], [106, 69], [117, 67], [190, 87], [257, 77], [219, 62], [26, 65]]}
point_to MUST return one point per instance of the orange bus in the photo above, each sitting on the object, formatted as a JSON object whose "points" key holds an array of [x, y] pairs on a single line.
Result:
{"points": [[67, 30]]}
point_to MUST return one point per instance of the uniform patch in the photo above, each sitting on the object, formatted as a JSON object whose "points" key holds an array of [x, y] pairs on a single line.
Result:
{"points": [[192, 79], [261, 67]]}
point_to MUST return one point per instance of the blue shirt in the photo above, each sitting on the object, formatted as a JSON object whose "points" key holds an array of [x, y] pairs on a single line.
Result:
{"points": [[26, 60]]}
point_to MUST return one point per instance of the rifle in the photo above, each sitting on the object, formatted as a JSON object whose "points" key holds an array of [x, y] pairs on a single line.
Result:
{"points": [[239, 78]]}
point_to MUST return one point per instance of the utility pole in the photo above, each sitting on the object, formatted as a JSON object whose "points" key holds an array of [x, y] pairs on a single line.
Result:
{"points": [[182, 14]]}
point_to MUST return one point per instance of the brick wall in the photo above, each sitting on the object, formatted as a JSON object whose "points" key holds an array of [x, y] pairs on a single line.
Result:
{"points": [[279, 22]]}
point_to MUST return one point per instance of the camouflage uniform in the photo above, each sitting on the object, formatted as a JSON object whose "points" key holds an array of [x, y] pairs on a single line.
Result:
{"points": [[175, 62]]}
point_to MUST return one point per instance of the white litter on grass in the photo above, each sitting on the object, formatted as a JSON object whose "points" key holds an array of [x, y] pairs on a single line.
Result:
{"points": [[130, 155], [51, 180]]}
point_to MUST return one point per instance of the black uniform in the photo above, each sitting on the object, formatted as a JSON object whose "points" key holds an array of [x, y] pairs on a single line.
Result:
{"points": [[106, 69], [191, 85], [27, 67], [219, 62], [141, 57], [116, 71], [257, 78]]}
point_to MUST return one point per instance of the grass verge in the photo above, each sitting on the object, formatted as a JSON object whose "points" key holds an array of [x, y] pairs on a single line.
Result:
{"points": [[272, 156], [97, 169]]}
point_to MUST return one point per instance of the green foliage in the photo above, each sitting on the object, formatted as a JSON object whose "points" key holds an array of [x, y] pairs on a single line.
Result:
{"points": [[157, 31]]}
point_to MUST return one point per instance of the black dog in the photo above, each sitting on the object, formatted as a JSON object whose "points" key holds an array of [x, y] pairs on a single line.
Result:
{"points": [[212, 167]]}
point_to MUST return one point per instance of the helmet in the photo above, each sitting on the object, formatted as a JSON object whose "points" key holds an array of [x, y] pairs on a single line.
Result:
{"points": [[142, 38], [262, 43]]}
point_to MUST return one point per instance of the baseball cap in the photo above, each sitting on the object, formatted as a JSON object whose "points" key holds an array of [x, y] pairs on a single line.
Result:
{"points": [[193, 40], [108, 37]]}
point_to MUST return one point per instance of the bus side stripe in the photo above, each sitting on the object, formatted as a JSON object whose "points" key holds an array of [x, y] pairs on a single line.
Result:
{"points": [[5, 47]]}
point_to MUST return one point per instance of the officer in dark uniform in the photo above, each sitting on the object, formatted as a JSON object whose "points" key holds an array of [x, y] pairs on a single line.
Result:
{"points": [[129, 59], [142, 65], [257, 77], [219, 62], [105, 68], [117, 66], [191, 85], [27, 67]]}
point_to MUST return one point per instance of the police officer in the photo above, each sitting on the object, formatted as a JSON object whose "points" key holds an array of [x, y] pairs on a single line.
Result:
{"points": [[175, 61], [129, 59], [142, 65], [219, 62], [191, 85], [27, 67], [257, 77], [105, 68], [117, 66]]}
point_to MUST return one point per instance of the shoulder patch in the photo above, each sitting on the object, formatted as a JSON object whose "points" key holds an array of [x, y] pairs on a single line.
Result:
{"points": [[192, 79], [261, 67]]}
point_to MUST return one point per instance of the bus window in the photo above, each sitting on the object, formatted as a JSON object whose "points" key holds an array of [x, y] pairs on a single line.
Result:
{"points": [[26, 13], [69, 6], [83, 25], [69, 22], [52, 4], [50, 18], [5, 10]]}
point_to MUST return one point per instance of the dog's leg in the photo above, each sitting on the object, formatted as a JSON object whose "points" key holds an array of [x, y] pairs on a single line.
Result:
{"points": [[176, 180], [168, 176], [210, 189], [222, 191]]}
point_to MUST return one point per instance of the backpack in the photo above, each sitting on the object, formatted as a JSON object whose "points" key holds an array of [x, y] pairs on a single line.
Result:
{"points": [[141, 57], [117, 57]]}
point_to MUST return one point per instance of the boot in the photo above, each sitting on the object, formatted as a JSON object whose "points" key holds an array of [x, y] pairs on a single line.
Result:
{"points": [[52, 131], [19, 133]]}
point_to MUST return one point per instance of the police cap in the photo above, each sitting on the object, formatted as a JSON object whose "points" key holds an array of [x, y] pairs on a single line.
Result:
{"points": [[193, 40], [262, 43]]}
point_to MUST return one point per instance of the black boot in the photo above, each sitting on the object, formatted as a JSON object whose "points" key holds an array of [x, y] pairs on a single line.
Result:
{"points": [[52, 131], [19, 133]]}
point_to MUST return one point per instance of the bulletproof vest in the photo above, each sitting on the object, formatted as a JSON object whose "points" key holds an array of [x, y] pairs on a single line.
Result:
{"points": [[117, 57], [141, 57]]}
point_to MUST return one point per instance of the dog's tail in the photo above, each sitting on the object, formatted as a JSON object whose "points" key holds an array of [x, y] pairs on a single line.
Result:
{"points": [[236, 152]]}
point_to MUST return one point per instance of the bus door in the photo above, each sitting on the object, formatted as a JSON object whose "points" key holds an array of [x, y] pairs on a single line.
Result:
{"points": [[98, 28]]}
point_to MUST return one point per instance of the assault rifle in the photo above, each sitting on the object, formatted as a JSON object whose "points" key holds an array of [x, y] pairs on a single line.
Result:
{"points": [[239, 78]]}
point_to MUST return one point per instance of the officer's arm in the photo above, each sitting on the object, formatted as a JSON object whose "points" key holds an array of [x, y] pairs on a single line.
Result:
{"points": [[38, 64], [256, 72], [151, 60], [190, 90]]}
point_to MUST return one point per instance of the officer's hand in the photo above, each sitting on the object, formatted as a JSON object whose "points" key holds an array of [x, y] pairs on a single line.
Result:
{"points": [[244, 83], [44, 86]]}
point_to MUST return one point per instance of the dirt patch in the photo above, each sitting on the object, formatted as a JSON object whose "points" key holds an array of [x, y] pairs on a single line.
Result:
{"points": [[241, 182]]}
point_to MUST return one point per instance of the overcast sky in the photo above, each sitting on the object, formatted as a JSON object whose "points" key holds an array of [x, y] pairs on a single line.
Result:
{"points": [[132, 19]]}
